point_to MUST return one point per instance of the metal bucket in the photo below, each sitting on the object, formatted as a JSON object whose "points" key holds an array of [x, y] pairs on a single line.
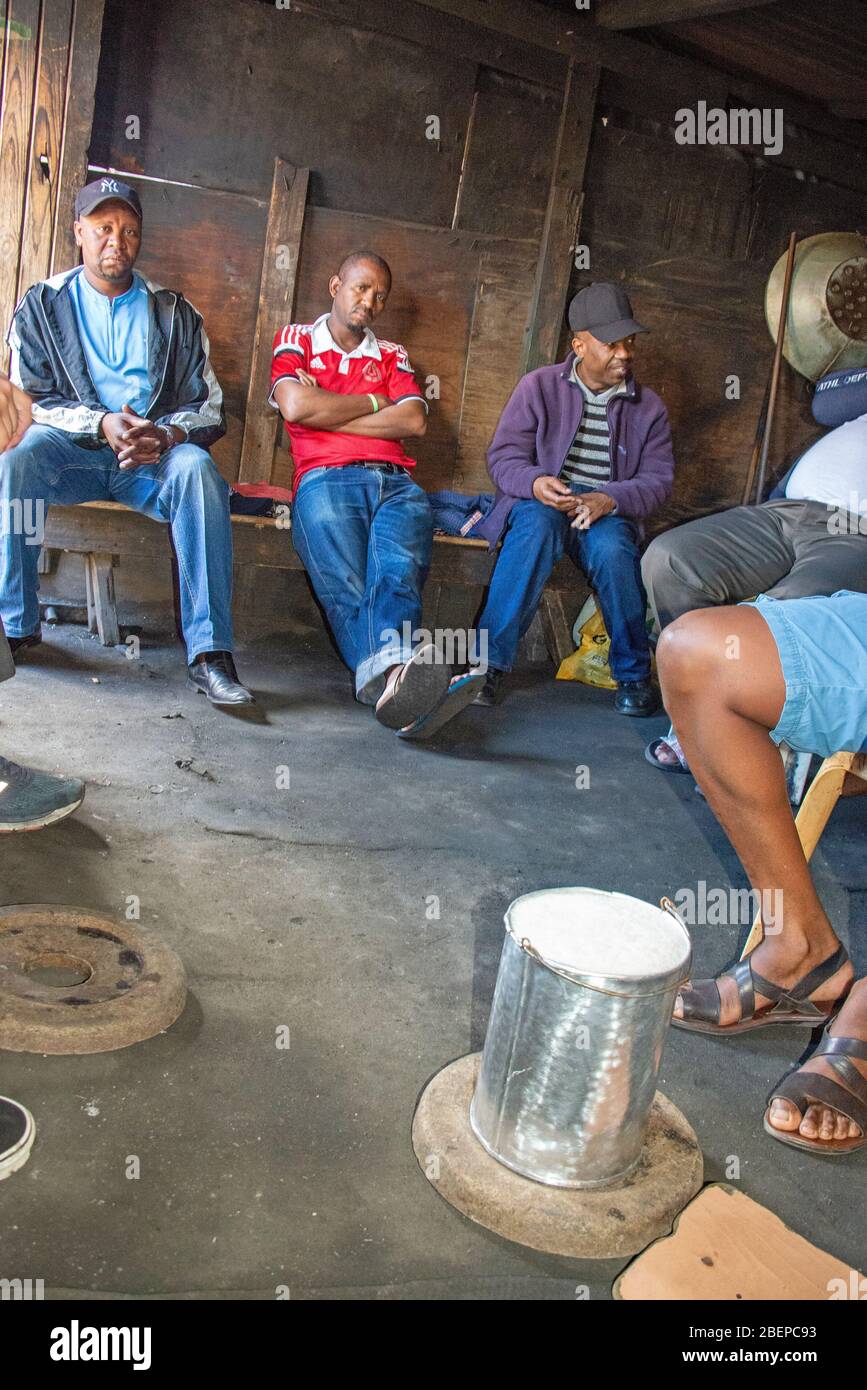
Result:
{"points": [[585, 989]]}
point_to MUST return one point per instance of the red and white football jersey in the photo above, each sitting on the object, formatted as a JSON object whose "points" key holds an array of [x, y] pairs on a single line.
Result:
{"points": [[374, 366]]}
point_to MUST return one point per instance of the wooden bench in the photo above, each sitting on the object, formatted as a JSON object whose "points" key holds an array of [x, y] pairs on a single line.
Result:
{"points": [[106, 533]]}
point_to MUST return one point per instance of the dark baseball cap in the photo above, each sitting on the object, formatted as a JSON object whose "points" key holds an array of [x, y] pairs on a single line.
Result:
{"points": [[604, 310], [105, 190]]}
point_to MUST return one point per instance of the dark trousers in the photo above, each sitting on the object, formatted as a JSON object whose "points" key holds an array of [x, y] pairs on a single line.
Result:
{"points": [[786, 549]]}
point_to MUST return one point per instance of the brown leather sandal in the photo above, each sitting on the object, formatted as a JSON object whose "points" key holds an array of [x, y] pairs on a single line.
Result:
{"points": [[804, 1088], [702, 1003]]}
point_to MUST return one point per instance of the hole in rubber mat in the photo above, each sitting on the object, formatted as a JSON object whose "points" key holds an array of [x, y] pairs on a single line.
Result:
{"points": [[58, 970]]}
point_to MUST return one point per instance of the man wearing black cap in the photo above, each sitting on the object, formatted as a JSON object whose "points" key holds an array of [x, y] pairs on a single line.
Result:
{"points": [[581, 457], [125, 405]]}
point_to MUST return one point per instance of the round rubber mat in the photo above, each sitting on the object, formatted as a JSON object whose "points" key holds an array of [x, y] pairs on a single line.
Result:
{"points": [[76, 981], [584, 1223]]}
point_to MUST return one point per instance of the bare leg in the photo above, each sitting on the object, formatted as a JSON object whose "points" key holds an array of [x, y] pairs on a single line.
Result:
{"points": [[723, 687]]}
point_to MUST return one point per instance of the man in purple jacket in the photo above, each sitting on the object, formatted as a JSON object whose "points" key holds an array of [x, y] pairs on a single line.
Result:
{"points": [[581, 457]]}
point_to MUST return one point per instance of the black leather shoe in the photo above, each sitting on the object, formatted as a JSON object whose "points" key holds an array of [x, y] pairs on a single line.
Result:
{"points": [[17, 645], [491, 692], [636, 698], [217, 678]]}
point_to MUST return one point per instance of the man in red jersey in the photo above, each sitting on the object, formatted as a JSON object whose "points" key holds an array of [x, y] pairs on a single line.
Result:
{"points": [[362, 527]]}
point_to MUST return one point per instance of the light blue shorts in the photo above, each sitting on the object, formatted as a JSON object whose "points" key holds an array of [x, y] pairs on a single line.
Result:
{"points": [[822, 644]]}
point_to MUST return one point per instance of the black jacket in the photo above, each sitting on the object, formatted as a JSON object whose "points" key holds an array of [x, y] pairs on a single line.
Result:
{"points": [[49, 363]]}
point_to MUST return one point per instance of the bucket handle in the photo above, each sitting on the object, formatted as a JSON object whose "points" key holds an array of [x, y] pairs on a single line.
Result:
{"points": [[668, 906]]}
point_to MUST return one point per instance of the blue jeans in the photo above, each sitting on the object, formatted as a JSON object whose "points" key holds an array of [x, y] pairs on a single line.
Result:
{"points": [[184, 489], [365, 539], [536, 537]]}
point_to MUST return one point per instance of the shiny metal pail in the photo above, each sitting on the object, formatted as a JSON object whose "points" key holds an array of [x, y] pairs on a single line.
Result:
{"points": [[585, 989]]}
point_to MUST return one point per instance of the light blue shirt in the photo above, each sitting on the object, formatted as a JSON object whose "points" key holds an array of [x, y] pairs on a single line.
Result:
{"points": [[114, 337]]}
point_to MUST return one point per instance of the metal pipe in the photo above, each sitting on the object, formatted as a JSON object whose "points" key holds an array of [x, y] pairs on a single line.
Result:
{"points": [[775, 370]]}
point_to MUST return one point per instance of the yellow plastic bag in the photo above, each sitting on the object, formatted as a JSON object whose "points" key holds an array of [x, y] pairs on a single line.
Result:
{"points": [[589, 664]]}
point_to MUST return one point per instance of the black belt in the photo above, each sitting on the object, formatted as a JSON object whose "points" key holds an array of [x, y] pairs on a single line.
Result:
{"points": [[372, 463]]}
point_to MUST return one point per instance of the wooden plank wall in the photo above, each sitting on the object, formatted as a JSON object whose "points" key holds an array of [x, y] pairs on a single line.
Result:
{"points": [[20, 55], [46, 103], [694, 232], [458, 217], [208, 243], [694, 237]]}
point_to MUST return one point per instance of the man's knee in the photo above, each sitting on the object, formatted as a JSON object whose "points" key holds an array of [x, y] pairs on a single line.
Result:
{"points": [[656, 560], [689, 654], [23, 464], [187, 462], [545, 525]]}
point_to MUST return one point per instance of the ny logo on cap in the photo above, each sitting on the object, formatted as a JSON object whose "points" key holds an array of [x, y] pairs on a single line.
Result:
{"points": [[109, 185]]}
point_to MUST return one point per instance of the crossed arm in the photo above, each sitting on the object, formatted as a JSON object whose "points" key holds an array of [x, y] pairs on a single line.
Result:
{"points": [[304, 402]]}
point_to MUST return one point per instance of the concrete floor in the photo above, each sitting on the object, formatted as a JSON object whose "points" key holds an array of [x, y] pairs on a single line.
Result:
{"points": [[307, 907]]}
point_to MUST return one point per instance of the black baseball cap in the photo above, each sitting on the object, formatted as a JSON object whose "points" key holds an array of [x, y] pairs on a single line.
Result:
{"points": [[604, 310], [105, 190]]}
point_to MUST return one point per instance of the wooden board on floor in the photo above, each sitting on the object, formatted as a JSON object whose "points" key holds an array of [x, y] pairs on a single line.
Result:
{"points": [[725, 1246]]}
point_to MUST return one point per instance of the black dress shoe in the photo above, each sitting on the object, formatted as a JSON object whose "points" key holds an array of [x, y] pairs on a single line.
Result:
{"points": [[491, 692], [17, 645], [217, 678], [636, 698]]}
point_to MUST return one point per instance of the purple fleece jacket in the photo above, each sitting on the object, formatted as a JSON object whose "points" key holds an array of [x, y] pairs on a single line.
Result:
{"points": [[536, 430]]}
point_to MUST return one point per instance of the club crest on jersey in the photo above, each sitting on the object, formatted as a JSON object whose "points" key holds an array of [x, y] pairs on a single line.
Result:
{"points": [[317, 364], [370, 371]]}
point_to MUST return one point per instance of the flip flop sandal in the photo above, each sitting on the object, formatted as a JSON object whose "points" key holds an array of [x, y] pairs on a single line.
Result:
{"points": [[702, 1003], [421, 686], [651, 751], [803, 1088], [460, 693]]}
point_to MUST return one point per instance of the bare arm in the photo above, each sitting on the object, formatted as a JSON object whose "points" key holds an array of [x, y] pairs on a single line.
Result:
{"points": [[395, 422], [320, 409], [14, 414]]}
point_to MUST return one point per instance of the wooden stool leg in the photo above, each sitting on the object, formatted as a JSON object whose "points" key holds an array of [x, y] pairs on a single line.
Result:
{"points": [[813, 816], [91, 606], [101, 571], [556, 626]]}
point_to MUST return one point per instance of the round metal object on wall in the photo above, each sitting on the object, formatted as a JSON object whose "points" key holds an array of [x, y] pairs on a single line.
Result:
{"points": [[826, 327], [73, 981]]}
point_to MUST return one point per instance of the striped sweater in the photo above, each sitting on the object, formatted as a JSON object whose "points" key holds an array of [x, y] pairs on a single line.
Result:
{"points": [[588, 462]]}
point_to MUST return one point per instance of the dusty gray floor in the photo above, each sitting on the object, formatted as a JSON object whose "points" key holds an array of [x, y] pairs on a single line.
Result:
{"points": [[306, 907]]}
